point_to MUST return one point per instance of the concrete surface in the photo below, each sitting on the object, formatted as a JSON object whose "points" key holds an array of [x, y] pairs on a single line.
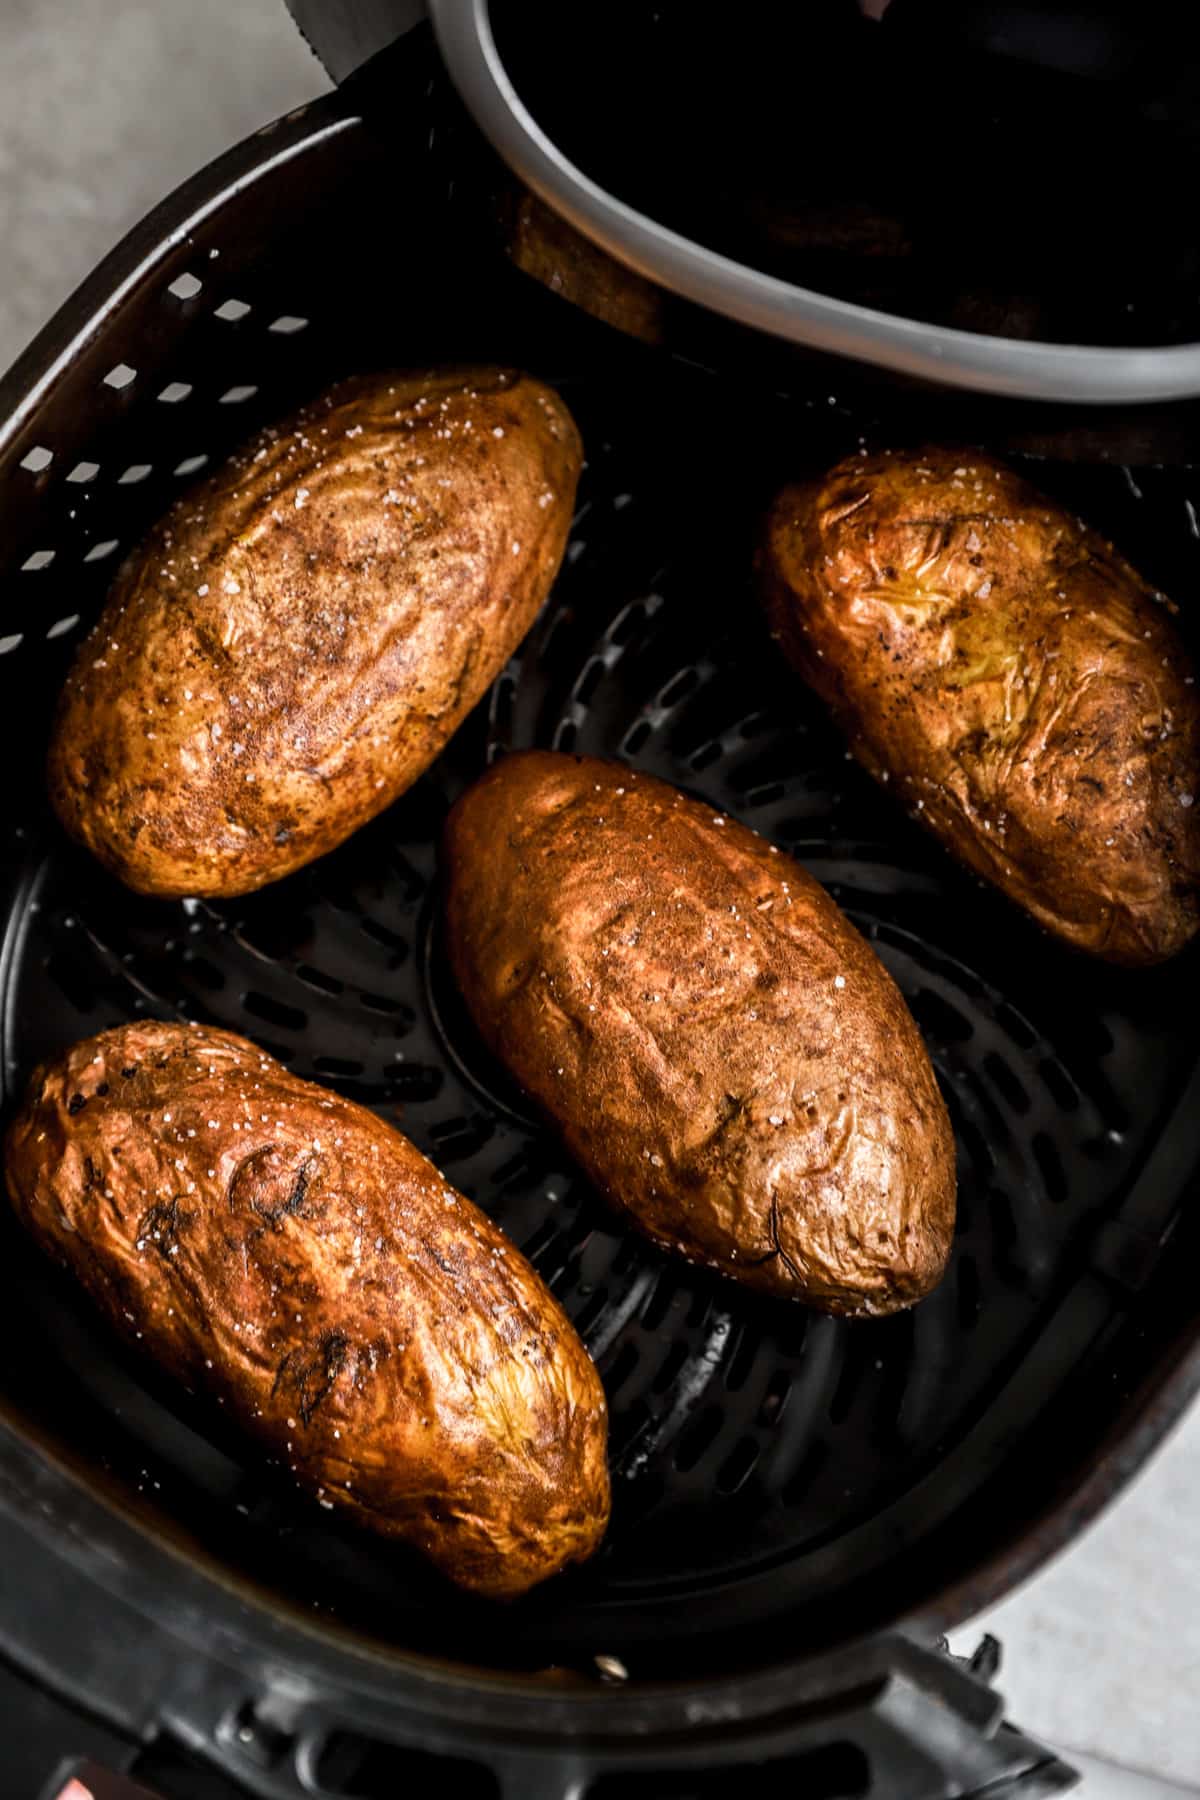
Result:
{"points": [[1102, 1649], [104, 106]]}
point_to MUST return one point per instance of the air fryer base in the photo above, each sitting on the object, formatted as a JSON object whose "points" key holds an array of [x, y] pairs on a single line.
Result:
{"points": [[792, 1491]]}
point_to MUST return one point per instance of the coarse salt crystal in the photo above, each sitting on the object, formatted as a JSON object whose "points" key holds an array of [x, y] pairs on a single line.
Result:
{"points": [[839, 981]]}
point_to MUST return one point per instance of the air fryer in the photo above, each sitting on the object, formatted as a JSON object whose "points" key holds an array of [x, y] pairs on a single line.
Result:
{"points": [[804, 1505]]}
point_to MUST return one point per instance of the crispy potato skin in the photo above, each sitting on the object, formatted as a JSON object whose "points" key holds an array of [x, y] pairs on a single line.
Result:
{"points": [[542, 244], [298, 638], [721, 1051], [283, 1251], [1019, 683]]}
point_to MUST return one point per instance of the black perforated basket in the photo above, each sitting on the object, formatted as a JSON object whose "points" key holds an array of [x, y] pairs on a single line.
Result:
{"points": [[802, 1504]]}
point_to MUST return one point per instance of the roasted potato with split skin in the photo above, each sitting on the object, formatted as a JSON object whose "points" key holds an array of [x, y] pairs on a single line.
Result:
{"points": [[283, 1251], [720, 1050], [1023, 689], [300, 636]]}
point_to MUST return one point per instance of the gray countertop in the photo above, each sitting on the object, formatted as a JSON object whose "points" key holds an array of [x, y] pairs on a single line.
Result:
{"points": [[105, 105]]}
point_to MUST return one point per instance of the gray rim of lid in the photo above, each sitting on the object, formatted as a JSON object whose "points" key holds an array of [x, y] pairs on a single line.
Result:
{"points": [[1020, 369]]}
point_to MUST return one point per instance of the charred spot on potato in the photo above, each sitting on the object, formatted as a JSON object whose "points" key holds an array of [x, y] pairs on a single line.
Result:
{"points": [[164, 1223], [76, 1104], [267, 1184], [310, 1380]]}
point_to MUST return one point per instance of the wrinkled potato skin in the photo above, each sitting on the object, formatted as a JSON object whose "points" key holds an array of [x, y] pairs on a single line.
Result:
{"points": [[545, 246], [299, 637], [283, 1251], [1023, 688], [666, 986]]}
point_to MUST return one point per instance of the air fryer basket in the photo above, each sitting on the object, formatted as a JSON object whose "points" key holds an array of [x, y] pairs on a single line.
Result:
{"points": [[787, 1486]]}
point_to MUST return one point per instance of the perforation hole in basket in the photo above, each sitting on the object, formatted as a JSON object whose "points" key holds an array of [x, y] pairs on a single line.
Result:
{"points": [[287, 324], [678, 689], [84, 472], [40, 559], [697, 1439], [61, 627], [101, 551], [589, 681], [135, 473], [230, 311], [775, 1399], [275, 1012], [189, 465], [459, 1138], [738, 1466], [742, 1361], [666, 1293], [413, 1083], [185, 286], [237, 395], [1049, 1161], [1062, 1089], [621, 1369], [175, 392], [861, 1352], [671, 1368], [939, 1018], [37, 460], [120, 377], [338, 1068], [1007, 1082]]}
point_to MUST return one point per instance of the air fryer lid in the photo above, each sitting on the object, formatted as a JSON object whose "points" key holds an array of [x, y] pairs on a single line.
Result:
{"points": [[982, 202], [907, 164]]}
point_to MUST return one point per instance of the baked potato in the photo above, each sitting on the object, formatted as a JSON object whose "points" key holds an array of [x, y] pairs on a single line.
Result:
{"points": [[1022, 688], [542, 244], [719, 1049], [301, 634], [285, 1252]]}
